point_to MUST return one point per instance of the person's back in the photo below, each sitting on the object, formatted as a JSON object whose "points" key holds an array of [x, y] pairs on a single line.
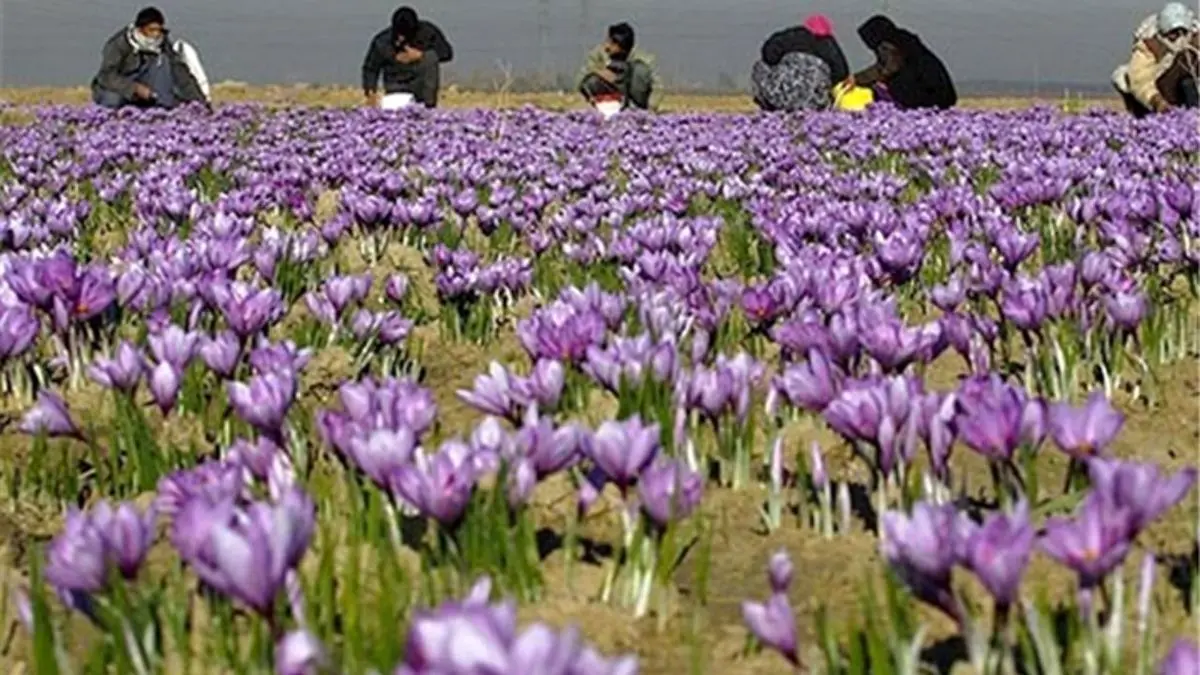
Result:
{"points": [[932, 84], [814, 37], [914, 77]]}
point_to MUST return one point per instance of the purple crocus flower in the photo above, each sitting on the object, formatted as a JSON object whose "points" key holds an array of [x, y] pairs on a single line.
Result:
{"points": [[76, 559], [544, 386], [921, 549], [192, 527], [19, 329], [164, 383], [989, 417], [1094, 543], [812, 385], [1126, 309], [779, 571], [174, 346], [522, 479], [1087, 431], [49, 415], [381, 452], [1183, 659], [622, 450], [998, 551], [493, 393], [252, 555], [300, 653], [550, 449], [1140, 487], [263, 403], [122, 372], [221, 353], [396, 288], [256, 456], [247, 310], [669, 491], [774, 625], [279, 356], [127, 534], [439, 487]]}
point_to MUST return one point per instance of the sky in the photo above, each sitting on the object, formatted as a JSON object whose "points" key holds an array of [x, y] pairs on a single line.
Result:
{"points": [[1035, 45]]}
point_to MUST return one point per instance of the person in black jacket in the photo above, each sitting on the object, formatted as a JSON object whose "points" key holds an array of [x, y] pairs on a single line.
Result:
{"points": [[906, 72], [798, 67], [139, 66], [408, 55], [814, 37]]}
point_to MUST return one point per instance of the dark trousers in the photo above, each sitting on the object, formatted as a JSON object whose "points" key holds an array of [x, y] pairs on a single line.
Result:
{"points": [[156, 74], [593, 85], [422, 79]]}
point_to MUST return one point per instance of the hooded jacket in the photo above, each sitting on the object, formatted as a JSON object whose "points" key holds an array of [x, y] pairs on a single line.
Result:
{"points": [[914, 75], [398, 77], [121, 61], [800, 39]]}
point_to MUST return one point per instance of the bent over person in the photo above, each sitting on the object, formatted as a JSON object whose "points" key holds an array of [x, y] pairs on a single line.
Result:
{"points": [[407, 56], [799, 67], [1163, 67], [906, 71], [140, 66], [614, 70]]}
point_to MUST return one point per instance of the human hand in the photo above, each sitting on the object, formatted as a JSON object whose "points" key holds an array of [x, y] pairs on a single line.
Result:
{"points": [[606, 75], [1159, 104], [142, 92], [373, 99], [409, 54]]}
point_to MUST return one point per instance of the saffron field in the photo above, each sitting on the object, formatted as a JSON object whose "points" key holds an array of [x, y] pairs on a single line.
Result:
{"points": [[495, 392]]}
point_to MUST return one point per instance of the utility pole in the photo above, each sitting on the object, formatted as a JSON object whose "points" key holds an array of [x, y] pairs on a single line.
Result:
{"points": [[543, 37], [1, 44]]}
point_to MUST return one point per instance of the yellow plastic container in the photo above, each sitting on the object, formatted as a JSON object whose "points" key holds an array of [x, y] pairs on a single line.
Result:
{"points": [[852, 98]]}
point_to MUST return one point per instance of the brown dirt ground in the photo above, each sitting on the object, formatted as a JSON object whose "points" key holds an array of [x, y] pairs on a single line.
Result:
{"points": [[452, 97]]}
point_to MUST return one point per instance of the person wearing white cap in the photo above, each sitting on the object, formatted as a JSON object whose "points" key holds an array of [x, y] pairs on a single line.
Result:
{"points": [[1163, 68]]}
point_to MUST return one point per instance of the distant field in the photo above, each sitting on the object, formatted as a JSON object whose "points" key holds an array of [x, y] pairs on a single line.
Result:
{"points": [[455, 98]]}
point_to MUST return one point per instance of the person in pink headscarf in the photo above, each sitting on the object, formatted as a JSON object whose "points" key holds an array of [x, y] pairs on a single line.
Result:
{"points": [[814, 36], [798, 67]]}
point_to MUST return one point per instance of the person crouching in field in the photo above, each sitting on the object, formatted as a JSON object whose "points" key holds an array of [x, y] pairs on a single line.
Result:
{"points": [[408, 55], [798, 68], [1162, 70], [615, 72], [906, 72], [140, 66]]}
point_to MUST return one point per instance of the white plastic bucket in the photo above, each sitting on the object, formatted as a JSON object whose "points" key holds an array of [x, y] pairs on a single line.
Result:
{"points": [[396, 101], [608, 109]]}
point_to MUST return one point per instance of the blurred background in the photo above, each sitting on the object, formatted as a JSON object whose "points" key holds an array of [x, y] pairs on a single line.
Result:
{"points": [[1014, 47]]}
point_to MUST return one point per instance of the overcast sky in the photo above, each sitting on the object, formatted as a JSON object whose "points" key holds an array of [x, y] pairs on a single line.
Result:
{"points": [[57, 42]]}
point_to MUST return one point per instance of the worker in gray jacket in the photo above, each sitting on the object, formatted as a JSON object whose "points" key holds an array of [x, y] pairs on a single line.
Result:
{"points": [[407, 56], [140, 66]]}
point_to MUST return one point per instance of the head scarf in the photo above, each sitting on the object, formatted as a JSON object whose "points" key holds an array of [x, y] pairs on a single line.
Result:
{"points": [[1174, 16], [819, 25], [143, 43], [876, 30], [404, 24]]}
